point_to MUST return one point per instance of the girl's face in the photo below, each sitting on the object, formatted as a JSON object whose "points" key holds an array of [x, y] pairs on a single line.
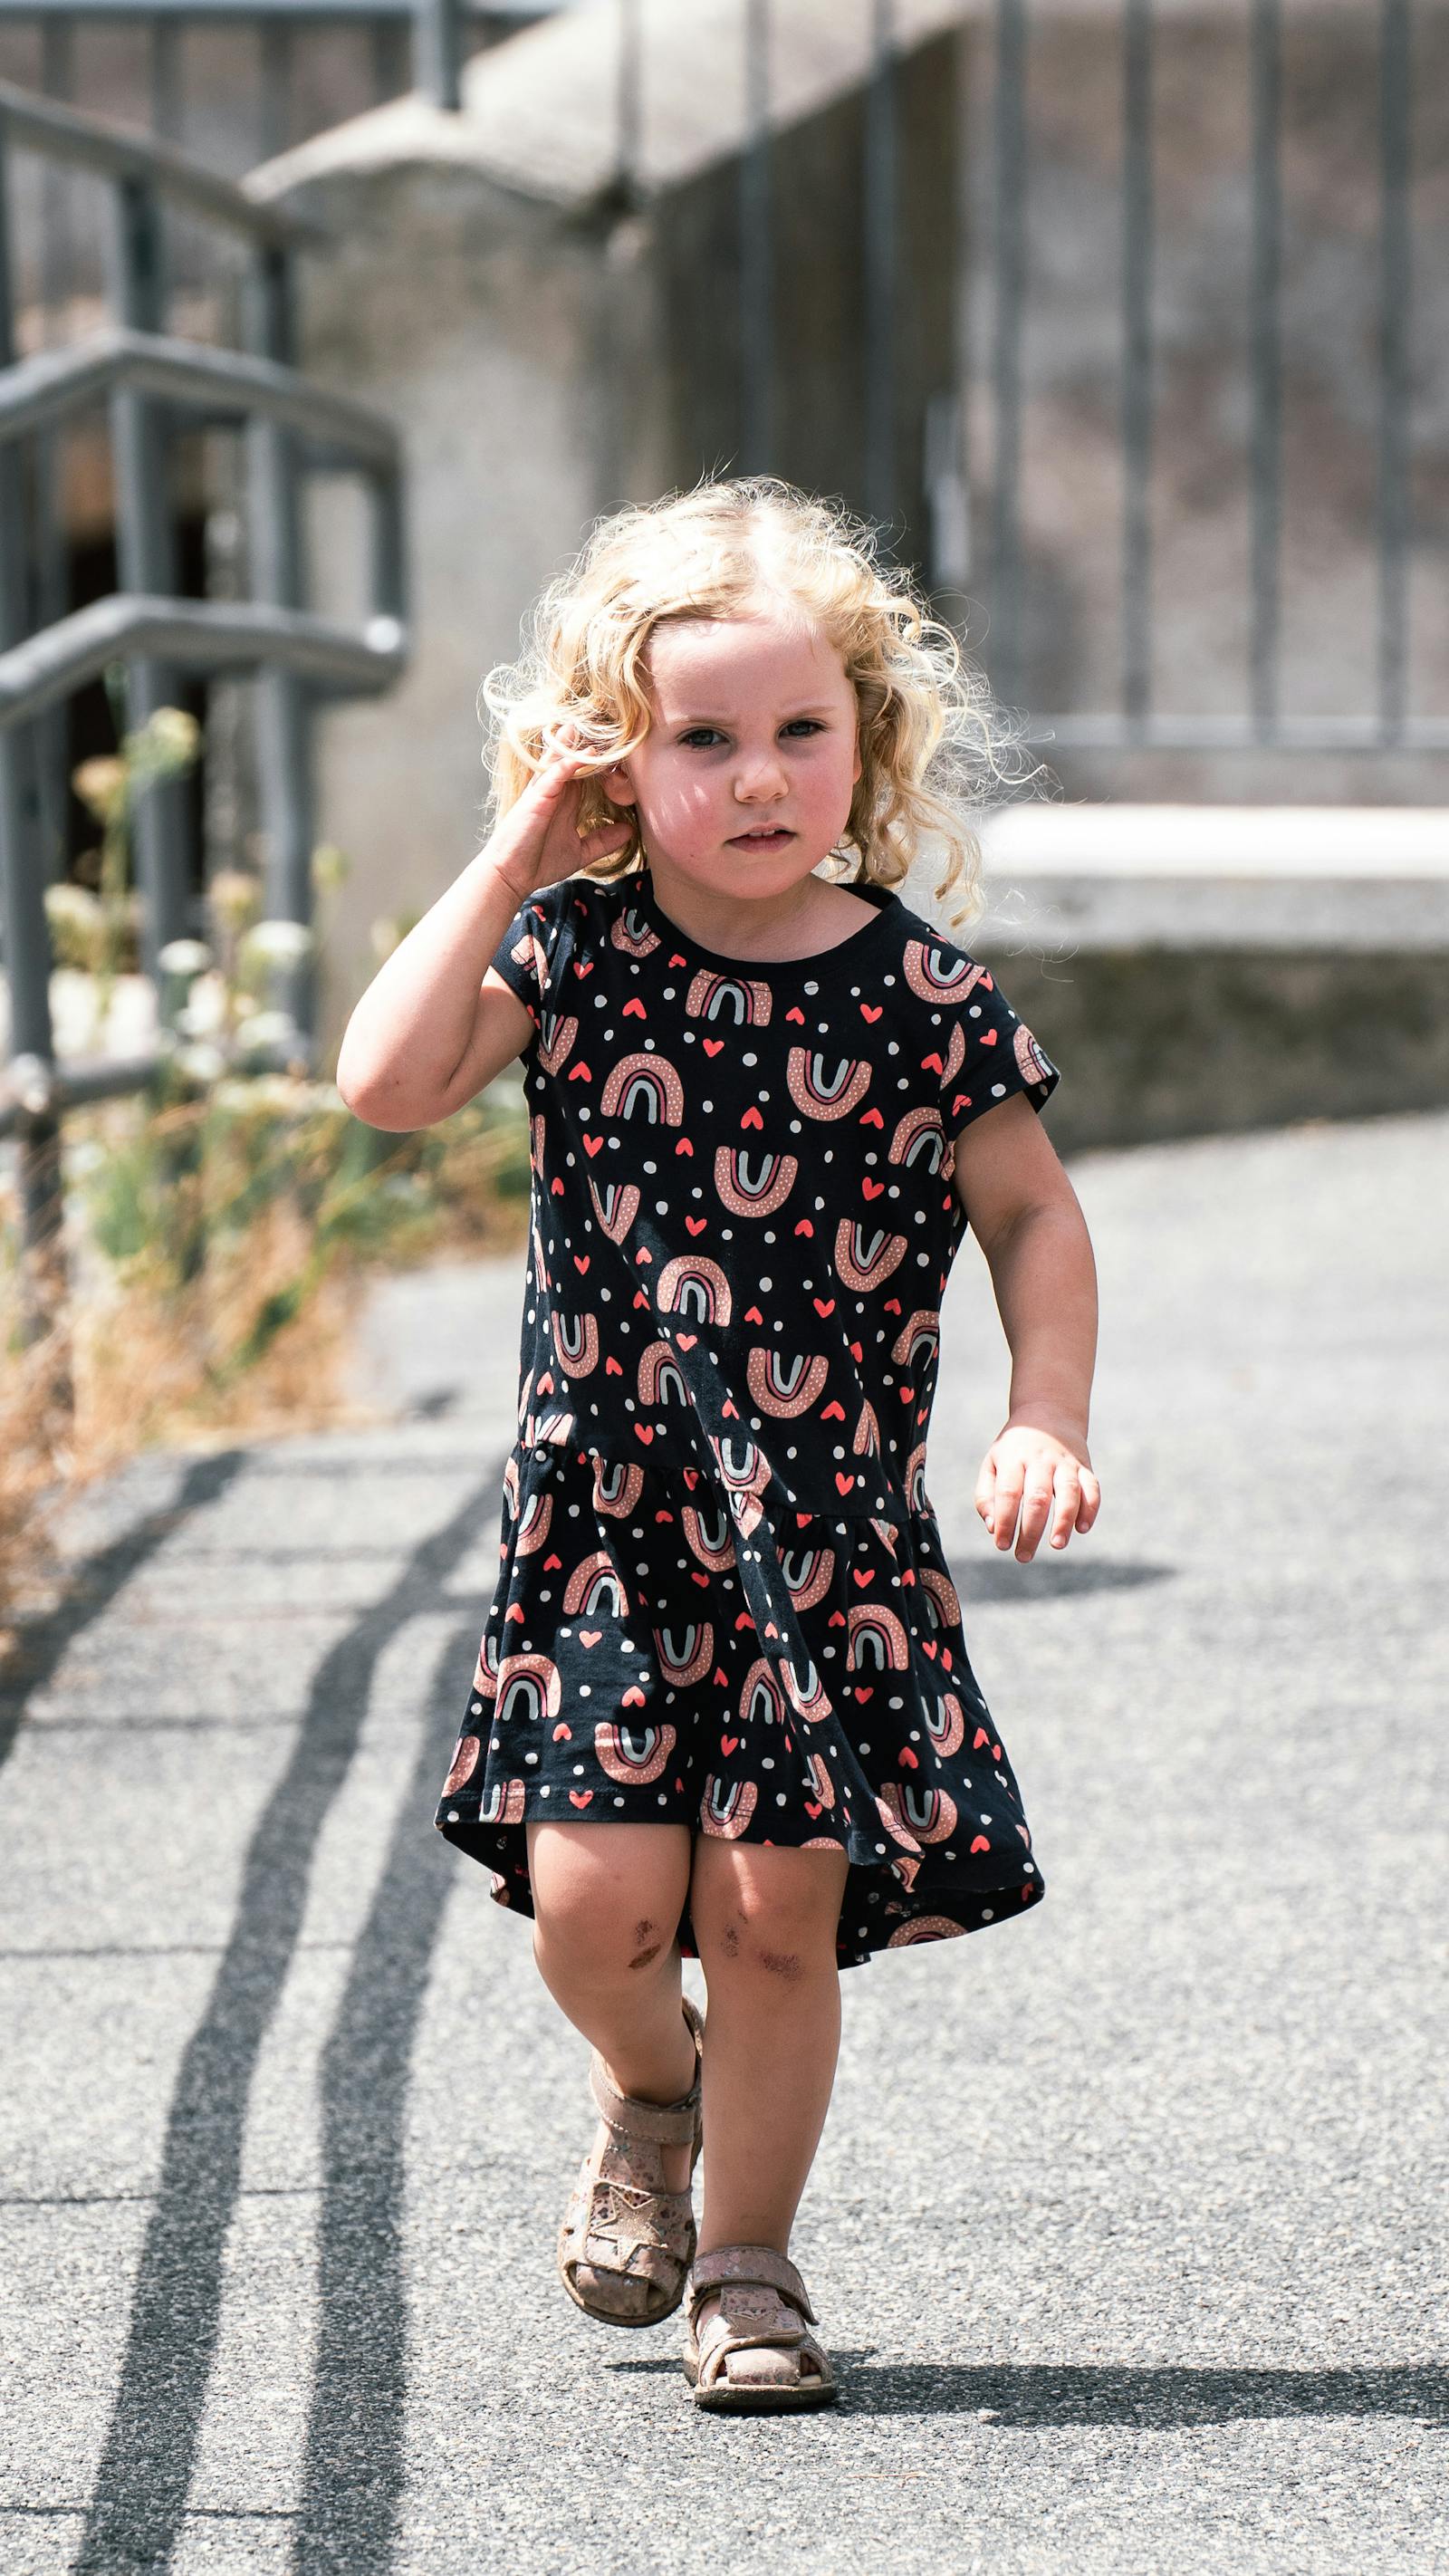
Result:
{"points": [[744, 780]]}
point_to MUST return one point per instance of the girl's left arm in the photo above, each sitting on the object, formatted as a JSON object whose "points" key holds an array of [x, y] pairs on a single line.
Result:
{"points": [[1027, 1218]]}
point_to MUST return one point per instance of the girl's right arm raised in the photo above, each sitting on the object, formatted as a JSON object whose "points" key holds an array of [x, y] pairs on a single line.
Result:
{"points": [[437, 1023]]}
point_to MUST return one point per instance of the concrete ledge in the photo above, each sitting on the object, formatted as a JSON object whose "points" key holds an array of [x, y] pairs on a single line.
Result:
{"points": [[1061, 879], [1199, 970]]}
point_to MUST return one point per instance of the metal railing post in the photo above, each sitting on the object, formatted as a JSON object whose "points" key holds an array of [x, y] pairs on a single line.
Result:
{"points": [[146, 555], [438, 51], [26, 931], [284, 715]]}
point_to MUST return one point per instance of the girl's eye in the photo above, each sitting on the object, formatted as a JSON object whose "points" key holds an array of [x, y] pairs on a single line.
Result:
{"points": [[697, 733], [707, 733], [812, 724]]}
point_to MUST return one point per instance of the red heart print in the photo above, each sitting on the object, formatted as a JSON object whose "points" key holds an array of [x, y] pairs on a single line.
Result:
{"points": [[634, 1009], [582, 970], [857, 1351], [744, 1621], [981, 1844], [909, 1759], [843, 1484], [581, 1073], [686, 1341], [864, 1694], [557, 1188], [996, 1753], [805, 1226], [892, 1306], [580, 1797], [582, 1260], [613, 1367], [696, 1224], [722, 1679], [679, 961], [862, 1575], [552, 1564], [590, 1636], [871, 1010], [795, 1013], [872, 1189], [961, 1101], [729, 1744], [701, 1578], [836, 1618], [684, 1146], [989, 1036], [730, 1407], [802, 1520], [633, 1697], [645, 1431], [979, 1738], [811, 1810], [833, 1412], [563, 1734], [823, 1305], [753, 1315], [752, 1118], [871, 1118], [593, 1144], [712, 1045], [933, 1064], [514, 1610]]}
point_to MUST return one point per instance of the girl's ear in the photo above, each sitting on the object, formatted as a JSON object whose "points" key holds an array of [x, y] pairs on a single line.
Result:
{"points": [[616, 786]]}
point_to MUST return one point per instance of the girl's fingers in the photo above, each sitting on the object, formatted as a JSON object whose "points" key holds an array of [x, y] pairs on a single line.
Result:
{"points": [[1068, 1504], [1035, 1507]]}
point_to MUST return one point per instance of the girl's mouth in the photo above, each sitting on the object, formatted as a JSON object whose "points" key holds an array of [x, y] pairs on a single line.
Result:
{"points": [[771, 838]]}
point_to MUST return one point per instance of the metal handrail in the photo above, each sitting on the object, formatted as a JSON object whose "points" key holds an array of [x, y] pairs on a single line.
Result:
{"points": [[114, 152], [146, 377], [196, 635], [228, 384]]}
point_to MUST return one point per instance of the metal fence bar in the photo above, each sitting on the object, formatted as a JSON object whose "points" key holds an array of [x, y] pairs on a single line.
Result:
{"points": [[757, 280], [146, 554], [1009, 196], [1393, 508], [22, 894], [284, 761], [881, 258], [1136, 416], [1266, 361], [438, 52], [629, 102]]}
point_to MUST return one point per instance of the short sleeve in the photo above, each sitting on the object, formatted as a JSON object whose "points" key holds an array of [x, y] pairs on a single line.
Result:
{"points": [[989, 1054], [524, 953]]}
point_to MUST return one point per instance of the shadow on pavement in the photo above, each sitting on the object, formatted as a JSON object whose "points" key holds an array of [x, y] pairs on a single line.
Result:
{"points": [[145, 2473], [92, 1583], [1034, 2396], [355, 2459]]}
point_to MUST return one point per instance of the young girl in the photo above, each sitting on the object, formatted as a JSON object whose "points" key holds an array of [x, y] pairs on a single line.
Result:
{"points": [[723, 1707]]}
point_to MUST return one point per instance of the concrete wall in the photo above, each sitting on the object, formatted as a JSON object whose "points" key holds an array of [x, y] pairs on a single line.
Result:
{"points": [[478, 322]]}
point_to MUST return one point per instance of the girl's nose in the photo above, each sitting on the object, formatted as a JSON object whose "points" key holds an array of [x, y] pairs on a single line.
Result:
{"points": [[762, 778]]}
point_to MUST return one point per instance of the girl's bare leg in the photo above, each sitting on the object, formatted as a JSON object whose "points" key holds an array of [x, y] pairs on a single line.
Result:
{"points": [[765, 1920], [608, 1899]]}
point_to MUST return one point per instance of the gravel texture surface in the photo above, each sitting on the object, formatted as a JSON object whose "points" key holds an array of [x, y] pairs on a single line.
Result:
{"points": [[1127, 2232]]}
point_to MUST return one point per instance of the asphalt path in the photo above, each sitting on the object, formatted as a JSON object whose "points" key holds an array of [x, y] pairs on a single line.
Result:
{"points": [[1127, 2232]]}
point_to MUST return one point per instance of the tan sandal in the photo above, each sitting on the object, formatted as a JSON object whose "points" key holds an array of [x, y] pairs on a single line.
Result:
{"points": [[754, 2354], [626, 2244]]}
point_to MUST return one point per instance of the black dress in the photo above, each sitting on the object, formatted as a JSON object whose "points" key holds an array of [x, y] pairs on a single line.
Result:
{"points": [[722, 1598]]}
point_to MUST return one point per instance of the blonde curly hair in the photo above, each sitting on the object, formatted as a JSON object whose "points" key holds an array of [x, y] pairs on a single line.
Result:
{"points": [[932, 741]]}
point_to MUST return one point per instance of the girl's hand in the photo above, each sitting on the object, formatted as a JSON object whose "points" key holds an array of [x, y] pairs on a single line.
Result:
{"points": [[538, 839], [1046, 1477]]}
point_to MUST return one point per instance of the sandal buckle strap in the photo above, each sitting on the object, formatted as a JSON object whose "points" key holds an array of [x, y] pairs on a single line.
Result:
{"points": [[758, 2264], [667, 2124]]}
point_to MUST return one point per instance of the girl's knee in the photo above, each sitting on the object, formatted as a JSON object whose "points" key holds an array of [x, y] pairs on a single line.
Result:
{"points": [[772, 1914], [609, 1914]]}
